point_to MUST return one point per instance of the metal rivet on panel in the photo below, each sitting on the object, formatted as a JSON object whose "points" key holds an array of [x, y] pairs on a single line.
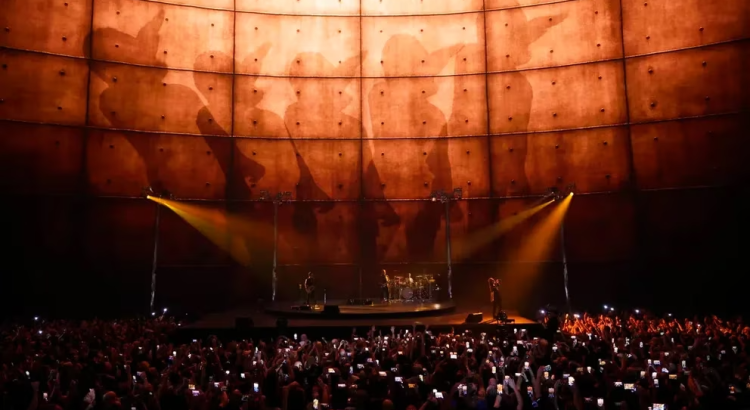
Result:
{"points": [[208, 152], [512, 181], [254, 152], [602, 109], [164, 84], [559, 178], [382, 184], [341, 122], [210, 120], [111, 146], [465, 90], [557, 146], [468, 182], [423, 61], [64, 38], [598, 44], [210, 88], [117, 46], [62, 72], [653, 103], [656, 138], [163, 116], [212, 56], [109, 181], [554, 82], [507, 56], [552, 51], [424, 183], [704, 63], [648, 37], [382, 123], [650, 70], [424, 122], [382, 154], [701, 29], [708, 98], [600, 77], [604, 142], [208, 183], [255, 122], [607, 176], [467, 120], [297, 122], [340, 154], [212, 24], [424, 153], [510, 118], [161, 149], [510, 149], [59, 108], [554, 114], [114, 79], [166, 19]]}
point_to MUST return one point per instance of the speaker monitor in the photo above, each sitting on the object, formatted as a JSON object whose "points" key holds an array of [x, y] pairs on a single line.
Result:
{"points": [[243, 323], [474, 318], [331, 310]]}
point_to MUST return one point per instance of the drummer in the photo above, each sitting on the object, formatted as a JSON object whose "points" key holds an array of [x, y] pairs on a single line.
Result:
{"points": [[409, 281]]}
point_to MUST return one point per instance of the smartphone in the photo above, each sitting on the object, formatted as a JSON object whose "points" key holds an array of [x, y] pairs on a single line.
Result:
{"points": [[672, 377], [731, 390], [518, 374], [657, 362], [191, 386], [382, 374], [653, 375], [530, 391], [629, 386], [399, 379], [525, 365], [316, 404], [658, 406], [454, 356], [439, 395], [256, 387], [494, 369], [618, 384], [331, 370], [571, 380], [196, 393], [554, 348], [44, 395], [551, 392]]}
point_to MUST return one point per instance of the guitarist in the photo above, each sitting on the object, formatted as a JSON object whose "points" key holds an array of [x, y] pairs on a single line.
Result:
{"points": [[310, 288], [384, 282]]}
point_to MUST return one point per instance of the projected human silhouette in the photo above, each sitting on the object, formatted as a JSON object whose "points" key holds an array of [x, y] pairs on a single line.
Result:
{"points": [[318, 105], [117, 103], [407, 111], [525, 33]]}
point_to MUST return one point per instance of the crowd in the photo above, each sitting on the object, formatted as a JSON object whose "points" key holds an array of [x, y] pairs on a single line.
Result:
{"points": [[631, 361]]}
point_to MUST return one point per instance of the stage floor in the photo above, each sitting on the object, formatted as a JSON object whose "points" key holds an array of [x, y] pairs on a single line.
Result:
{"points": [[380, 310], [357, 316]]}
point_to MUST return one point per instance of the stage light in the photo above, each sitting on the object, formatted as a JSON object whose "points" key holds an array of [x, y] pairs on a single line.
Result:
{"points": [[669, 314], [637, 312], [40, 332], [165, 310], [153, 313], [606, 307], [36, 318], [542, 311], [611, 309], [577, 316]]}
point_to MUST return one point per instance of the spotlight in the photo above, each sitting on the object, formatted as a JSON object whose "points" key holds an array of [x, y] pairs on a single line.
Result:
{"points": [[542, 311], [577, 316], [36, 318], [153, 313], [611, 309], [669, 314], [165, 310], [637, 312], [606, 307]]}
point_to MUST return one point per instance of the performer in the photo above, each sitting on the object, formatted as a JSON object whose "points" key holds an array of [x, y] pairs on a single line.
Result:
{"points": [[495, 297], [384, 282], [410, 281], [310, 288]]}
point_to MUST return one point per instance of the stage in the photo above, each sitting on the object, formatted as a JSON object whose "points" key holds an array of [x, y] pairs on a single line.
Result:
{"points": [[264, 321]]}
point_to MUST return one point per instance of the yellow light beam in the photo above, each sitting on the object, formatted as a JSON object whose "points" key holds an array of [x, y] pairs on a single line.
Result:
{"points": [[483, 237]]}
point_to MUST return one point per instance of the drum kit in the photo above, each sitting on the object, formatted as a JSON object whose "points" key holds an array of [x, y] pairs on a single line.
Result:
{"points": [[418, 289]]}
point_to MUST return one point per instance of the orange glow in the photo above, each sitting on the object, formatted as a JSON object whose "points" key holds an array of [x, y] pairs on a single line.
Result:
{"points": [[485, 236], [229, 232], [538, 247]]}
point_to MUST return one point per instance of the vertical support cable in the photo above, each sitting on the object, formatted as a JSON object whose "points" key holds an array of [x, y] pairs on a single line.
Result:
{"points": [[155, 260], [487, 103], [275, 248], [565, 264], [229, 177], [447, 202]]}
